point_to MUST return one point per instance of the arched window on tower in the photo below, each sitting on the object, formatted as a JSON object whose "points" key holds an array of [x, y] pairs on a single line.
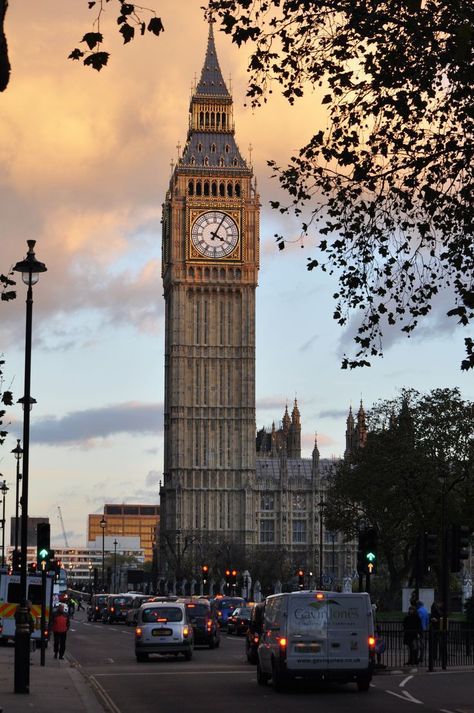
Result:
{"points": [[223, 120], [221, 161], [237, 190], [199, 148], [201, 119], [227, 148], [218, 119], [234, 162], [230, 190], [214, 188], [213, 119], [193, 160], [222, 190], [206, 188], [213, 148], [198, 188], [206, 161], [207, 118], [191, 188]]}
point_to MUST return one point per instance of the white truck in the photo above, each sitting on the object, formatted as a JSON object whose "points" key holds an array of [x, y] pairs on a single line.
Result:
{"points": [[325, 636], [10, 600]]}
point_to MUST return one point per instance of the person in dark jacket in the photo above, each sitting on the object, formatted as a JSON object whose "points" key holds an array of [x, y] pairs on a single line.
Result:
{"points": [[60, 628], [412, 632]]}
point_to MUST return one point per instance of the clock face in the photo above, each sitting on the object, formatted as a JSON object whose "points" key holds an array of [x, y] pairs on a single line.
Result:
{"points": [[214, 234]]}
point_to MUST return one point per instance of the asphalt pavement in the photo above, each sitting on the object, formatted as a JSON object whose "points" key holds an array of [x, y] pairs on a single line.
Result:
{"points": [[57, 687]]}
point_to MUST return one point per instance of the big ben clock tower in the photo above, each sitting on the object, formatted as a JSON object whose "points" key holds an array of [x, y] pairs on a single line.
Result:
{"points": [[210, 256]]}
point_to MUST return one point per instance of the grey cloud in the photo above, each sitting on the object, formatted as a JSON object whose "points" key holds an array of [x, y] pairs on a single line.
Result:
{"points": [[333, 413], [153, 478], [83, 427]]}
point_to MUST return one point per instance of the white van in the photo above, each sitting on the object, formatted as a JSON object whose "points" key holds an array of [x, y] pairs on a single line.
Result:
{"points": [[326, 636]]}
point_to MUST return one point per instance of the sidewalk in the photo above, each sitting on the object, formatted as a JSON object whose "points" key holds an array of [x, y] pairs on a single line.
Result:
{"points": [[56, 687]]}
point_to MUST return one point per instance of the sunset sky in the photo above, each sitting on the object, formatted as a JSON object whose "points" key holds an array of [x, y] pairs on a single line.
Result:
{"points": [[84, 165]]}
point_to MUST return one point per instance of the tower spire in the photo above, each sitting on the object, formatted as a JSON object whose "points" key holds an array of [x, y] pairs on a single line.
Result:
{"points": [[211, 82]]}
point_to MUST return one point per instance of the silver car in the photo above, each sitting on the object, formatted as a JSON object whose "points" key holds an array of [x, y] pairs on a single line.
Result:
{"points": [[163, 628]]}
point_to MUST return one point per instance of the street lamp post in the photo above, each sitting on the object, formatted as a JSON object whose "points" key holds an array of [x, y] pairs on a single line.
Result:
{"points": [[115, 543], [4, 488], [103, 524], [30, 269], [18, 452]]}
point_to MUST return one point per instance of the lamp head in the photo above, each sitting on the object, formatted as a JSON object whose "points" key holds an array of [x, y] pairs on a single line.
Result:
{"points": [[18, 451], [30, 267]]}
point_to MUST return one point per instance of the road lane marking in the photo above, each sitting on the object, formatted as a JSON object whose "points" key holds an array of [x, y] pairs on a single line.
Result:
{"points": [[405, 681], [405, 697], [174, 673], [102, 693]]}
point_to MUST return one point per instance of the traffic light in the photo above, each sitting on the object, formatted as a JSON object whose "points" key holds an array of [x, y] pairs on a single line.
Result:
{"points": [[32, 568], [301, 578], [205, 572], [430, 550], [234, 576], [367, 551], [16, 560], [460, 541], [228, 576], [43, 531]]}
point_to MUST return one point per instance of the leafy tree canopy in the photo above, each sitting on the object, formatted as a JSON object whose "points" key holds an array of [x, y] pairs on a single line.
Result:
{"points": [[419, 450], [130, 20], [389, 184]]}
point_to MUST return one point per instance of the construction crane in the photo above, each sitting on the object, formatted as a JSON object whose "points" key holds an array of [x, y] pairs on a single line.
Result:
{"points": [[62, 525]]}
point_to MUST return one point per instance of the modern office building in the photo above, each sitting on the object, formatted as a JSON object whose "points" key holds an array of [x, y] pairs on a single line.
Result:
{"points": [[124, 520]]}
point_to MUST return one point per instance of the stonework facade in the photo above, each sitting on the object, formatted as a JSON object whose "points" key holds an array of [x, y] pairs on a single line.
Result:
{"points": [[223, 493]]}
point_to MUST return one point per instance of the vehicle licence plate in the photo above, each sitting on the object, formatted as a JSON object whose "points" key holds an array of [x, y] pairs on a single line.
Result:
{"points": [[161, 632], [313, 648]]}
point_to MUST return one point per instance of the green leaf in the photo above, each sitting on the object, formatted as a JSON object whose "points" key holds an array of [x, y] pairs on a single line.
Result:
{"points": [[76, 54], [97, 60], [128, 33], [92, 39], [156, 26]]}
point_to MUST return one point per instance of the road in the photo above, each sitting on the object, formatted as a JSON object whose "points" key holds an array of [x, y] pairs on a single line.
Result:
{"points": [[222, 680]]}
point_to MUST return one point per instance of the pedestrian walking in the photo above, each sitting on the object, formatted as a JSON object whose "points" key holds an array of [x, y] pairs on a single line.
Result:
{"points": [[60, 629], [425, 625], [411, 635], [435, 623]]}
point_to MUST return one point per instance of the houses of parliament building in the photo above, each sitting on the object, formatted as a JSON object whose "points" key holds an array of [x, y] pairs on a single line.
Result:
{"points": [[222, 491]]}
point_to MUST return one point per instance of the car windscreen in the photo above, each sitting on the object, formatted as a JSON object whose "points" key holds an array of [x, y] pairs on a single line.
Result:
{"points": [[243, 613], [151, 615], [228, 604], [122, 601], [101, 600], [196, 609]]}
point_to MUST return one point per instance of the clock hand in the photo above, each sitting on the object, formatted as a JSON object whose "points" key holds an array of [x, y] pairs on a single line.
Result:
{"points": [[214, 233]]}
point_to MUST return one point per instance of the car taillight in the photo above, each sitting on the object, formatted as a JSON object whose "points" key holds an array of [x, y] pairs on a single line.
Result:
{"points": [[138, 632], [209, 625], [97, 608], [185, 632], [371, 642], [255, 639], [282, 643], [46, 632], [112, 609]]}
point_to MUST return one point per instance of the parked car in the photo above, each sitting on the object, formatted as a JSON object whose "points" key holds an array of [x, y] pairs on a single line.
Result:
{"points": [[224, 606], [95, 608], [117, 608], [204, 621], [238, 621], [132, 613], [163, 628], [254, 632]]}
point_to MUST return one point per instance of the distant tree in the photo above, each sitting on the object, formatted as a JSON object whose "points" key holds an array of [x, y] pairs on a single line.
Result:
{"points": [[420, 449], [129, 18], [389, 183]]}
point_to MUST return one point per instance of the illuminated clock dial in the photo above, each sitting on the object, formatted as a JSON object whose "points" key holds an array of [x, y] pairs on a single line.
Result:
{"points": [[214, 234]]}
